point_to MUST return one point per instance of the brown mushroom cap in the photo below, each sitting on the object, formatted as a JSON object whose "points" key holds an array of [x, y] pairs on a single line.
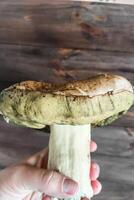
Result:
{"points": [[97, 101]]}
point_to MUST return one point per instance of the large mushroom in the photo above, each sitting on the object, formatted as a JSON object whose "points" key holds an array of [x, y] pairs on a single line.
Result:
{"points": [[70, 110]]}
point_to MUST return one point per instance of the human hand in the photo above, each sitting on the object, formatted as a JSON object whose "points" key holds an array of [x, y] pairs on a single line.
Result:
{"points": [[30, 180]]}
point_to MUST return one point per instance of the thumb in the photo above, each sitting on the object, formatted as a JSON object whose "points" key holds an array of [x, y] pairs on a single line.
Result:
{"points": [[49, 182]]}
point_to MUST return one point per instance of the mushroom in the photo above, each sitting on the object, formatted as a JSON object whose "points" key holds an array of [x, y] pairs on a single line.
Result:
{"points": [[70, 109]]}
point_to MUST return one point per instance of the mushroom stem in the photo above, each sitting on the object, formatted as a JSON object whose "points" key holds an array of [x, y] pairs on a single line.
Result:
{"points": [[69, 153]]}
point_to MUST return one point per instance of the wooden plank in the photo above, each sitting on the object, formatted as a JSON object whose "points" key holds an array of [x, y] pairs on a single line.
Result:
{"points": [[17, 142], [19, 63], [34, 2], [72, 25], [128, 2], [115, 155]]}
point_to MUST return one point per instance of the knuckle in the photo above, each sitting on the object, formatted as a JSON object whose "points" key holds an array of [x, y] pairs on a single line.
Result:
{"points": [[18, 171], [46, 176], [21, 168], [50, 181]]}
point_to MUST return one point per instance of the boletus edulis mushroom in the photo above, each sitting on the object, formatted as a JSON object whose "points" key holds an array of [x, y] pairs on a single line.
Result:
{"points": [[70, 109]]}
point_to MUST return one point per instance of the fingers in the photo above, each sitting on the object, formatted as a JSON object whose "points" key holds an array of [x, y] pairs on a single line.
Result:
{"points": [[96, 185], [49, 182], [94, 171], [93, 146], [94, 174]]}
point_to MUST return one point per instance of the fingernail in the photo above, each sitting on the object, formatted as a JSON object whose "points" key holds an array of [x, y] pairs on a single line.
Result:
{"points": [[70, 187]]}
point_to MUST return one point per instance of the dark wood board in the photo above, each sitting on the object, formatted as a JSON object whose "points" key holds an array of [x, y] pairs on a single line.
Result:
{"points": [[38, 63], [70, 24]]}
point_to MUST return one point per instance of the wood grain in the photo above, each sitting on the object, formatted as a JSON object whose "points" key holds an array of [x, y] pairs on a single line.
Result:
{"points": [[68, 24], [115, 156], [19, 63]]}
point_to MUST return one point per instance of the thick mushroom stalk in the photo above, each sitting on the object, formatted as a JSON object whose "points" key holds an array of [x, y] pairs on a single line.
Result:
{"points": [[69, 153]]}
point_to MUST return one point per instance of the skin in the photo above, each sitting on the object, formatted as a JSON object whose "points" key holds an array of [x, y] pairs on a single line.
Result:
{"points": [[23, 180]]}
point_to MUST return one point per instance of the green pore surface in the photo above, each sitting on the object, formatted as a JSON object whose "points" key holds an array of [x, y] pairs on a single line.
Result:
{"points": [[34, 109]]}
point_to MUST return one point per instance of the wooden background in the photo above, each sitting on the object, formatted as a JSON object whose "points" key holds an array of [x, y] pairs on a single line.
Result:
{"points": [[60, 41]]}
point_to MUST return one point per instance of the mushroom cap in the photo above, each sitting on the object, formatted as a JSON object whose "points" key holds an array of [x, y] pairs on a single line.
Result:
{"points": [[97, 101]]}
